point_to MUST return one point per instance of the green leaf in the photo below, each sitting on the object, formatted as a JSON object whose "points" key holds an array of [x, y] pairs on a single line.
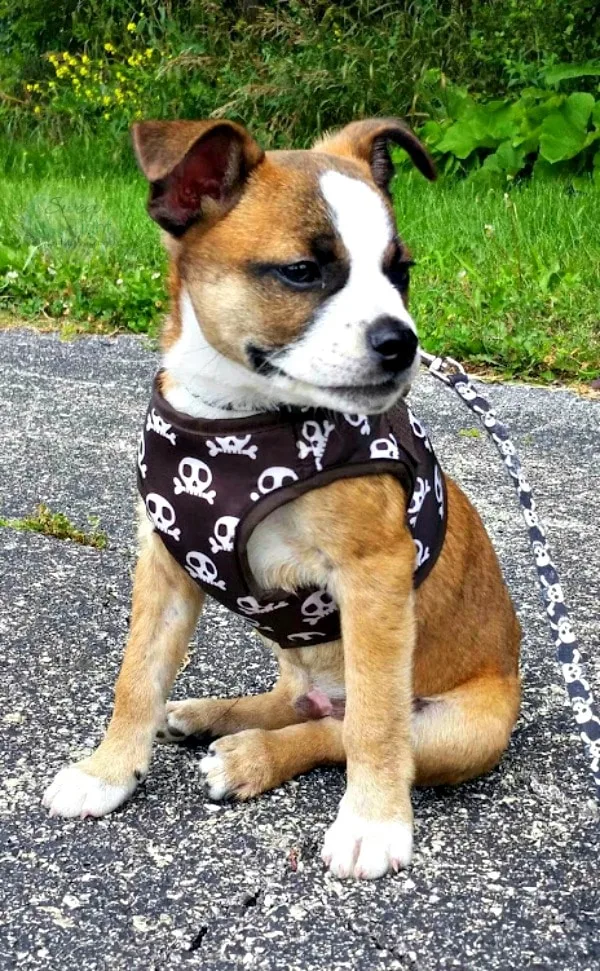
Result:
{"points": [[564, 129], [564, 72], [469, 133], [596, 114]]}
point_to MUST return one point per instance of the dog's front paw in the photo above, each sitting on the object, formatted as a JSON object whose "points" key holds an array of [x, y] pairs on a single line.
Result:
{"points": [[365, 848], [239, 765], [74, 792]]}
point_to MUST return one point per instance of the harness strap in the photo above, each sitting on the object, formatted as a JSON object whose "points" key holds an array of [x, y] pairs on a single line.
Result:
{"points": [[569, 655]]}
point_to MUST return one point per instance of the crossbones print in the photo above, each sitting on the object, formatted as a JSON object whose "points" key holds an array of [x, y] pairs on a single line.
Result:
{"points": [[232, 445], [157, 424], [359, 421], [317, 437]]}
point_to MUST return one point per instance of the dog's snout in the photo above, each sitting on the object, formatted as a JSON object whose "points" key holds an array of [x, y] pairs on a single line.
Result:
{"points": [[394, 344]]}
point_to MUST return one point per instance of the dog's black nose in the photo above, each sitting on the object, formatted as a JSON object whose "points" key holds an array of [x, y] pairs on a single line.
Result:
{"points": [[394, 343]]}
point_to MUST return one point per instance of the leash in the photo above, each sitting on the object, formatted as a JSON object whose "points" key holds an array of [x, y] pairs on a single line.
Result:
{"points": [[570, 658]]}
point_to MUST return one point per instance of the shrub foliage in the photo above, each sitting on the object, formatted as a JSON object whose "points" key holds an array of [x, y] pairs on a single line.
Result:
{"points": [[86, 68]]}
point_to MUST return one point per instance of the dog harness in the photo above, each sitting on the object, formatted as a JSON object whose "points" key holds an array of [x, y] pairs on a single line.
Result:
{"points": [[207, 484]]}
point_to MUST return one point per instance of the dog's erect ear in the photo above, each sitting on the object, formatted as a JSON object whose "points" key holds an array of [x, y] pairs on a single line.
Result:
{"points": [[195, 169], [369, 142]]}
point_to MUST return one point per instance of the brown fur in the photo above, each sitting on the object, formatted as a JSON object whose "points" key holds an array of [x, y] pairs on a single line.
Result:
{"points": [[452, 647]]}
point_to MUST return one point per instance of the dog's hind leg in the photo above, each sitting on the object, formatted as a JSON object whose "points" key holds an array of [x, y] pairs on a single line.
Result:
{"points": [[166, 604], [462, 733], [253, 761], [303, 672]]}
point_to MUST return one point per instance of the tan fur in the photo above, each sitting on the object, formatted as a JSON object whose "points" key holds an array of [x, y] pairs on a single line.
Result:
{"points": [[453, 645]]}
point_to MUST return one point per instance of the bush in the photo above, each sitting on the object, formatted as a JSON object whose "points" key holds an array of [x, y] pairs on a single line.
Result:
{"points": [[289, 68], [543, 131]]}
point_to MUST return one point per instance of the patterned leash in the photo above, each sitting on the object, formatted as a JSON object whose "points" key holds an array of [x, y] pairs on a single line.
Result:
{"points": [[565, 640]]}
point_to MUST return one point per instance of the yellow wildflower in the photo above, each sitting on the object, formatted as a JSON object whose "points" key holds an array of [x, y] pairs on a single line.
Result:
{"points": [[105, 100], [149, 51], [106, 116], [85, 59], [37, 110], [109, 48], [131, 27], [83, 71], [29, 87]]}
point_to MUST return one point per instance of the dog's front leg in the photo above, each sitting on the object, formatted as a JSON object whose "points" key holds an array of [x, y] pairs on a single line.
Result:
{"points": [[166, 604], [373, 830]]}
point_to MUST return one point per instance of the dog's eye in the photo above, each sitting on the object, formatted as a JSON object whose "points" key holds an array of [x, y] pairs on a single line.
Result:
{"points": [[303, 274], [398, 273]]}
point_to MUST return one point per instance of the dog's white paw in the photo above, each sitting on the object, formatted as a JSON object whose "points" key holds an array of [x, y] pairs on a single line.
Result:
{"points": [[364, 848], [213, 768], [76, 793]]}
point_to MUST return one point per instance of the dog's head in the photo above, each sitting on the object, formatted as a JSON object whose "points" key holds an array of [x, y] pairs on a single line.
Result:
{"points": [[290, 260]]}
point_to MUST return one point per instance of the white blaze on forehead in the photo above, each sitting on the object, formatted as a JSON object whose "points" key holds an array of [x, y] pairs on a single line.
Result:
{"points": [[361, 219], [335, 349]]}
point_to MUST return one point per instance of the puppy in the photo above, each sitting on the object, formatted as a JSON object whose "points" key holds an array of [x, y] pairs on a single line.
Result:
{"points": [[282, 473]]}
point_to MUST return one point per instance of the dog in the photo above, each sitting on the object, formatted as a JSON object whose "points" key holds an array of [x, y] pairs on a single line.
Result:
{"points": [[289, 310]]}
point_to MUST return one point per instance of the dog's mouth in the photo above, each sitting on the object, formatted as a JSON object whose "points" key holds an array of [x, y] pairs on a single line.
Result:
{"points": [[373, 391]]}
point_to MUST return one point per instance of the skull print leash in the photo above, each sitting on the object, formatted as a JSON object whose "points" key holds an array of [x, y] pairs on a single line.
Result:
{"points": [[451, 373]]}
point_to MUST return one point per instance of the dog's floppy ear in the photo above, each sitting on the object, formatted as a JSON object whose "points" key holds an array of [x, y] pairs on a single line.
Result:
{"points": [[369, 141], [196, 169]]}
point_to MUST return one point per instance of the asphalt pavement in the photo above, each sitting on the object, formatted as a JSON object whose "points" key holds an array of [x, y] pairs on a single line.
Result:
{"points": [[505, 872]]}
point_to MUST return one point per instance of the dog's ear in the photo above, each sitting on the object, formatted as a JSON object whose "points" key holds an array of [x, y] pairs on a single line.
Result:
{"points": [[196, 169], [369, 141]]}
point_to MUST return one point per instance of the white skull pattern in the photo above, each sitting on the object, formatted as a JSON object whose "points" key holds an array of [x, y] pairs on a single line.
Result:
{"points": [[250, 605], [155, 423], [316, 436], [385, 448], [439, 490], [359, 421], [423, 553], [306, 635], [201, 567], [194, 479], [141, 455], [232, 445], [552, 591], [418, 429], [572, 673], [162, 514], [542, 556], [581, 709], [593, 745], [320, 604], [565, 631], [224, 533], [421, 490], [273, 478], [466, 391]]}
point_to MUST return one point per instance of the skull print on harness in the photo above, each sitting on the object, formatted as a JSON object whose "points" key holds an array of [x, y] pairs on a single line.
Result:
{"points": [[162, 514], [208, 484], [273, 478], [194, 478], [316, 436]]}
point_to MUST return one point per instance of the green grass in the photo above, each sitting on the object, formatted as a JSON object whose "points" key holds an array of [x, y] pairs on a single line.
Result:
{"points": [[57, 525], [509, 283]]}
